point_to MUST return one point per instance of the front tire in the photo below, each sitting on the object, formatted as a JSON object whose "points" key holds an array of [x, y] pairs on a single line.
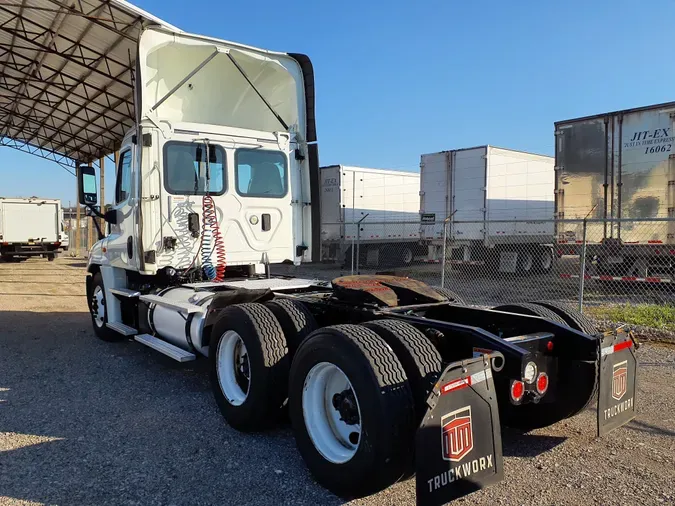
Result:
{"points": [[249, 366], [351, 409], [98, 311]]}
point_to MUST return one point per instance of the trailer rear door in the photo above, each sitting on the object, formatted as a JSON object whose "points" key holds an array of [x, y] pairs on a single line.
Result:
{"points": [[331, 203], [469, 173], [435, 193]]}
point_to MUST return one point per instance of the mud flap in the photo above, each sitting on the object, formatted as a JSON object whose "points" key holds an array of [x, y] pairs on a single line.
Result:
{"points": [[458, 443], [618, 371]]}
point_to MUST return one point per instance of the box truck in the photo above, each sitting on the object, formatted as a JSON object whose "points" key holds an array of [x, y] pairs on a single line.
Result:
{"points": [[373, 210], [619, 168], [490, 206], [29, 227]]}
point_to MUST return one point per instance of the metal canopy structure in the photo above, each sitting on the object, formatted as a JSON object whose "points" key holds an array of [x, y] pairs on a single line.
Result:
{"points": [[66, 76]]}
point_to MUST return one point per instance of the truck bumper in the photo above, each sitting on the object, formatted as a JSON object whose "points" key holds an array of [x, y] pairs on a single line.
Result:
{"points": [[28, 249]]}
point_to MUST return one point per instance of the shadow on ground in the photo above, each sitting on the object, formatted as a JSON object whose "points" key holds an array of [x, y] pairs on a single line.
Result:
{"points": [[116, 423]]}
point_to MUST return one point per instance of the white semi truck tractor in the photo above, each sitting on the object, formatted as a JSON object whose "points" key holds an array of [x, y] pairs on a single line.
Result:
{"points": [[218, 180]]}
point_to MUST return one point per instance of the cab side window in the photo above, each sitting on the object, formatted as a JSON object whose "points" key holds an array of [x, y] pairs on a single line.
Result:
{"points": [[123, 183]]}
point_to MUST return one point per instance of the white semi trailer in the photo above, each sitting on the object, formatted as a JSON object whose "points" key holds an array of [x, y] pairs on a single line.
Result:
{"points": [[29, 227], [376, 210], [218, 180], [490, 206]]}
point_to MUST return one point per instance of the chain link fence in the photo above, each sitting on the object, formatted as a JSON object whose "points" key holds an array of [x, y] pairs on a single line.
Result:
{"points": [[579, 262]]}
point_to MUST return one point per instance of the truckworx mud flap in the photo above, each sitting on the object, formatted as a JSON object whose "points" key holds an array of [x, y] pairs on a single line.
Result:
{"points": [[458, 444], [617, 381], [459, 447]]}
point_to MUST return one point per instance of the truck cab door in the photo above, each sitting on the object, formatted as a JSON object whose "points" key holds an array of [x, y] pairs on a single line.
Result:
{"points": [[121, 243]]}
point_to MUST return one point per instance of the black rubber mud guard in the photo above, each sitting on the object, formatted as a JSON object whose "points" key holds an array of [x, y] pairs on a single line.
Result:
{"points": [[458, 444], [618, 374]]}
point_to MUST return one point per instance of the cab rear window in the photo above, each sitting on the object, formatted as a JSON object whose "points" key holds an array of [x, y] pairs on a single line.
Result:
{"points": [[261, 173], [183, 175]]}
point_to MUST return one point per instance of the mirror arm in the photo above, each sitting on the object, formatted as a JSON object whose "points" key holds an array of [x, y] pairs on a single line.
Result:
{"points": [[98, 230], [95, 211]]}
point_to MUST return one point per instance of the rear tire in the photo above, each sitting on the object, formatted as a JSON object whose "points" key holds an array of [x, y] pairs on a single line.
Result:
{"points": [[525, 265], [295, 319], [420, 359], [545, 259], [573, 318], [531, 310], [51, 257], [249, 389], [449, 294], [382, 403]]}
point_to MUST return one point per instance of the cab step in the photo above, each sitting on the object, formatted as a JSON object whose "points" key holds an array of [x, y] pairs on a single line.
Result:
{"points": [[121, 328], [125, 292], [181, 307], [165, 348]]}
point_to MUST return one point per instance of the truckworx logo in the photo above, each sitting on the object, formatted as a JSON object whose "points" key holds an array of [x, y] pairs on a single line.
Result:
{"points": [[620, 380], [457, 434], [457, 443]]}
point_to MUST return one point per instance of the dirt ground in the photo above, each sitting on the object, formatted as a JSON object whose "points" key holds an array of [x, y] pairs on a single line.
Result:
{"points": [[88, 422]]}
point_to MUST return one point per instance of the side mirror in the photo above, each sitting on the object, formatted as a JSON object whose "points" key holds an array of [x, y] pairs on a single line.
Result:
{"points": [[87, 183]]}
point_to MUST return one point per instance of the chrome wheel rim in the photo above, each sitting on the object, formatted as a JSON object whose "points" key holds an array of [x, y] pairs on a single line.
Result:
{"points": [[233, 368], [331, 412], [98, 306]]}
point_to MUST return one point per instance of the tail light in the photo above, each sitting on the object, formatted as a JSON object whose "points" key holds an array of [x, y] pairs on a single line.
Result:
{"points": [[517, 390], [542, 383]]}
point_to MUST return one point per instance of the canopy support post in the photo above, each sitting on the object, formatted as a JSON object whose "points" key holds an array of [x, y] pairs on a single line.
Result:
{"points": [[101, 163], [77, 213]]}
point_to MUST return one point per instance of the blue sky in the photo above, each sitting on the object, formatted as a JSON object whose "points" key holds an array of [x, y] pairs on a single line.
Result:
{"points": [[396, 79]]}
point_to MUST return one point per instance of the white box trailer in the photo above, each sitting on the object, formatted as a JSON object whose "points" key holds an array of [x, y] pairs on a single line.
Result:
{"points": [[29, 227], [619, 168], [478, 191], [387, 202]]}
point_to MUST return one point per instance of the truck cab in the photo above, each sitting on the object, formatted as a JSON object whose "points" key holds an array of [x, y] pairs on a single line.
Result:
{"points": [[216, 172]]}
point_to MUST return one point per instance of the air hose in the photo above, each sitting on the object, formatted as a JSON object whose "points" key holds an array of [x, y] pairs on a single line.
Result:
{"points": [[212, 240]]}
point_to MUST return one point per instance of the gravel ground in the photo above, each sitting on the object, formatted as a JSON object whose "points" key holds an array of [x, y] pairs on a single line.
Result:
{"points": [[88, 422]]}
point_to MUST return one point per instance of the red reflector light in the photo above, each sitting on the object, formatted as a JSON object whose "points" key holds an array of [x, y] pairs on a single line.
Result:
{"points": [[549, 346], [57, 244], [517, 390], [542, 383], [622, 346]]}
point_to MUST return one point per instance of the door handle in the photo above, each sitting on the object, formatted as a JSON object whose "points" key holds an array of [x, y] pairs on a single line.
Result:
{"points": [[266, 222], [130, 247]]}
